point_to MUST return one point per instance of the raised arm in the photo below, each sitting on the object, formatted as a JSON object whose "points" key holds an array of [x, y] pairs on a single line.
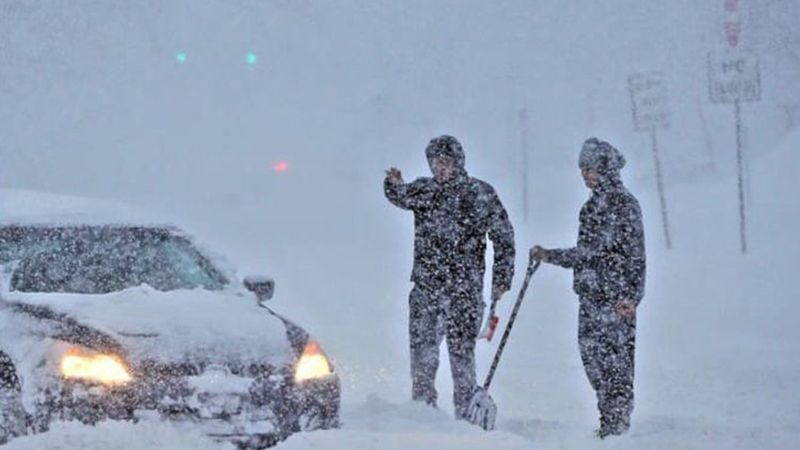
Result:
{"points": [[401, 194]]}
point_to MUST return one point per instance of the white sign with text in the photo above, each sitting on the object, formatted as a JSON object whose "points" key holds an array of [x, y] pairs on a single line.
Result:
{"points": [[649, 101], [733, 76]]}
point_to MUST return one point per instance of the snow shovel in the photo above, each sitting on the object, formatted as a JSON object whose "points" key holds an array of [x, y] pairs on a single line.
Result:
{"points": [[482, 411]]}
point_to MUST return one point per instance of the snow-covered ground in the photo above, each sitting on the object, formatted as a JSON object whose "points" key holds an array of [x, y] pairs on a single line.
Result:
{"points": [[120, 435], [717, 354]]}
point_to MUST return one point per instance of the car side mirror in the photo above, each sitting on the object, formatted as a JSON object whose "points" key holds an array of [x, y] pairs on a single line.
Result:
{"points": [[263, 287]]}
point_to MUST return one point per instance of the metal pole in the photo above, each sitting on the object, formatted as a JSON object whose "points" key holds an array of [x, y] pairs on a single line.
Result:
{"points": [[739, 163], [660, 184], [791, 111], [706, 135], [523, 122]]}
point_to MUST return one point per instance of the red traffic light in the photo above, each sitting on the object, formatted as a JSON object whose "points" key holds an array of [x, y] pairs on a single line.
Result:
{"points": [[280, 167]]}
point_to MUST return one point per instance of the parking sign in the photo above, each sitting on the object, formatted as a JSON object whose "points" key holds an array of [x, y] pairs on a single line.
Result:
{"points": [[650, 107], [733, 76], [649, 101]]}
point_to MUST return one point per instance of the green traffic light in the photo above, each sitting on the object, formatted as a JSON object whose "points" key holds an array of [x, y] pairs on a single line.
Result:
{"points": [[250, 59]]}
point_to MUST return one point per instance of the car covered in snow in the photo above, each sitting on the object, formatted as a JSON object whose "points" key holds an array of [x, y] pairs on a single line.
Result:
{"points": [[107, 316]]}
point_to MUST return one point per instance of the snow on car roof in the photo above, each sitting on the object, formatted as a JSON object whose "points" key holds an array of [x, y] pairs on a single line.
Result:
{"points": [[25, 207], [22, 207]]}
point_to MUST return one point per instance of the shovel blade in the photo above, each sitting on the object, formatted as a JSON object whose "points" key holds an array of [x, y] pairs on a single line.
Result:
{"points": [[482, 410]]}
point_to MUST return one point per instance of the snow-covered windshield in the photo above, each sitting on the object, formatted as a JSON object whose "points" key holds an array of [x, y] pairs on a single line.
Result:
{"points": [[103, 259]]}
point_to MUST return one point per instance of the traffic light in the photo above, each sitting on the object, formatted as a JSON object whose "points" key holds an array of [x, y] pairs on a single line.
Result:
{"points": [[280, 166], [251, 59]]}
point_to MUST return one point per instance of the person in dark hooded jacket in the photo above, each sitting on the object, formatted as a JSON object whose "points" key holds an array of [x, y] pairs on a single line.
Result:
{"points": [[608, 266], [453, 214]]}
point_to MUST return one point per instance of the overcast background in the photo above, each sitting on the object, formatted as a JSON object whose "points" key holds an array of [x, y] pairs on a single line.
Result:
{"points": [[95, 101]]}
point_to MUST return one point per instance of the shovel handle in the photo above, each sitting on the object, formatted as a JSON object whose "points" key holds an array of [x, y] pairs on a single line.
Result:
{"points": [[532, 267]]}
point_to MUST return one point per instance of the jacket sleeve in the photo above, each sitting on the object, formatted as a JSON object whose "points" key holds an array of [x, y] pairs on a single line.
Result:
{"points": [[564, 257], [501, 233], [583, 254], [405, 195], [631, 248]]}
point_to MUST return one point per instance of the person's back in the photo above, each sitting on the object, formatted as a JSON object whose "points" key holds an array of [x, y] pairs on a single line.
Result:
{"points": [[611, 231]]}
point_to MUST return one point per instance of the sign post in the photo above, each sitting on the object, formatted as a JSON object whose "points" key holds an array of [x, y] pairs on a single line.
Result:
{"points": [[734, 77], [650, 105], [706, 134], [792, 115], [523, 126]]}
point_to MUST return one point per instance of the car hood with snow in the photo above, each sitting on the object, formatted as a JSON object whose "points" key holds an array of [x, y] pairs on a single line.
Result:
{"points": [[166, 327]]}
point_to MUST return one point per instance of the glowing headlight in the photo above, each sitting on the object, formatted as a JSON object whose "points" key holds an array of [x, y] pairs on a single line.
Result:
{"points": [[102, 368], [312, 365]]}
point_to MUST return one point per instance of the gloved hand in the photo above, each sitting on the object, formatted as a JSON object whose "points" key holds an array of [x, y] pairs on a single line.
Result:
{"points": [[539, 253]]}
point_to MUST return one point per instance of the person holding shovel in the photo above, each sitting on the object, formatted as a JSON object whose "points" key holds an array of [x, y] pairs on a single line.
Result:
{"points": [[608, 264], [453, 214]]}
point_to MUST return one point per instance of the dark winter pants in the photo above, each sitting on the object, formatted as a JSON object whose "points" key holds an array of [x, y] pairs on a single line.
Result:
{"points": [[607, 343], [12, 414], [8, 376], [435, 314]]}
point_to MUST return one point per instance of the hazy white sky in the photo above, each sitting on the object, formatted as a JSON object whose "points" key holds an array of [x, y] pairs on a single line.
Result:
{"points": [[95, 101]]}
